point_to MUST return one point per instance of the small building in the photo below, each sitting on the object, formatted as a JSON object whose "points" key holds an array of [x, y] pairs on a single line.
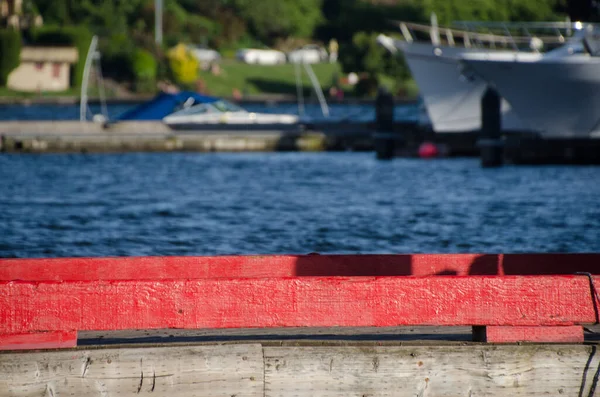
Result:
{"points": [[43, 69]]}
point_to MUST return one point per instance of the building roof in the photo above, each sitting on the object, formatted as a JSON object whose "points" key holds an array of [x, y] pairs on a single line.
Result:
{"points": [[49, 54]]}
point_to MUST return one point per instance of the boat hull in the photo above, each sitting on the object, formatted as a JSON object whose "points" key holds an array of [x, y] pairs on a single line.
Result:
{"points": [[452, 100], [554, 97], [238, 128]]}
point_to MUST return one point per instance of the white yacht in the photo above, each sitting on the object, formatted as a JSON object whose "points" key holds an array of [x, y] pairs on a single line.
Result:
{"points": [[556, 94], [452, 97]]}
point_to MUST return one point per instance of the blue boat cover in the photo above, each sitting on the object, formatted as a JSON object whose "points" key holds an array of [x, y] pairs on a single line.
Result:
{"points": [[162, 105]]}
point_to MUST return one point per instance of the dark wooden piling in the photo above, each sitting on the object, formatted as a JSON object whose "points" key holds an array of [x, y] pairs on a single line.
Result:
{"points": [[490, 143], [385, 139]]}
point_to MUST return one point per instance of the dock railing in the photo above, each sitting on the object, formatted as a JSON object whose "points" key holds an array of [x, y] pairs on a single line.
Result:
{"points": [[505, 298]]}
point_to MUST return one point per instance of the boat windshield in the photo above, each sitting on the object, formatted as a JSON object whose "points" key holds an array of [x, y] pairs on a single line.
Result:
{"points": [[196, 109], [220, 106], [226, 106]]}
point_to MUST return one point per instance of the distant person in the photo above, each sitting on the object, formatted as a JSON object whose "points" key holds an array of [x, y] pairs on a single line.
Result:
{"points": [[333, 92], [167, 87], [201, 87], [336, 93], [333, 50], [236, 94], [215, 69]]}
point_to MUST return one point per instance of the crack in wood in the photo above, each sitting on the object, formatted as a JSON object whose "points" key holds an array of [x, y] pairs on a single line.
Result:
{"points": [[85, 367], [142, 376]]}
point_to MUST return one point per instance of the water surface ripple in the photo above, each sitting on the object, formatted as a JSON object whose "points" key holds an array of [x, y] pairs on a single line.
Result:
{"points": [[209, 204]]}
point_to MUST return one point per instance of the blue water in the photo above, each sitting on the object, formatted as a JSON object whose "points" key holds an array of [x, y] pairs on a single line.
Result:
{"points": [[193, 204]]}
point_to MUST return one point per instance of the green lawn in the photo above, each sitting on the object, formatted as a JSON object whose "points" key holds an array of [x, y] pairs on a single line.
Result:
{"points": [[248, 79], [6, 92], [264, 79]]}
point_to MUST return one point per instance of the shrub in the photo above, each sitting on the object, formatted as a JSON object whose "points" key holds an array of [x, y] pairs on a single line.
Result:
{"points": [[50, 36], [144, 69], [81, 37], [117, 58], [363, 54], [183, 65], [367, 86], [10, 52]]}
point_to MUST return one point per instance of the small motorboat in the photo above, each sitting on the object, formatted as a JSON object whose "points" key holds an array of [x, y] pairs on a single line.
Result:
{"points": [[224, 115], [189, 111]]}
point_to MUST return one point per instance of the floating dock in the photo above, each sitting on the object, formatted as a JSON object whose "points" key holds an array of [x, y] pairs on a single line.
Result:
{"points": [[404, 139], [330, 325], [150, 136]]}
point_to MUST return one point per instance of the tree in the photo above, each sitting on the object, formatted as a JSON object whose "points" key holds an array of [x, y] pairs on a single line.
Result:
{"points": [[55, 11], [449, 11], [145, 69], [272, 19], [583, 10], [10, 51]]}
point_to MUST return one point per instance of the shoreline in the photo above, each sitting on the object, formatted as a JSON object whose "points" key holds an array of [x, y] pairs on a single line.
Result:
{"points": [[271, 99]]}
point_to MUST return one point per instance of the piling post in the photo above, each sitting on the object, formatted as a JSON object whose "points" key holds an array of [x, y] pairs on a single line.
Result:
{"points": [[384, 138], [490, 144]]}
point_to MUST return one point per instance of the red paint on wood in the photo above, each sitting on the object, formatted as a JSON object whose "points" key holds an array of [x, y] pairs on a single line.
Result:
{"points": [[38, 340], [295, 302], [501, 334], [178, 268]]}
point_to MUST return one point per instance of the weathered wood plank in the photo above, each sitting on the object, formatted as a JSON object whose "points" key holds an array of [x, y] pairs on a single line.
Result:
{"points": [[165, 268], [471, 371], [295, 302], [230, 370], [249, 370]]}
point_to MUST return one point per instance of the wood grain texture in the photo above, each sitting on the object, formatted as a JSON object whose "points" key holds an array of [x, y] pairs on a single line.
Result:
{"points": [[295, 302], [306, 371], [198, 267], [232, 370], [528, 370]]}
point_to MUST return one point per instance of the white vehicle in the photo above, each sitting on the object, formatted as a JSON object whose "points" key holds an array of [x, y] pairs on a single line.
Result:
{"points": [[260, 56], [222, 114], [311, 53], [453, 98], [556, 94], [205, 56]]}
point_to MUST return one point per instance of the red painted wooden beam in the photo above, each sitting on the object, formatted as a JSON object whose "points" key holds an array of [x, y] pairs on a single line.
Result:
{"points": [[295, 302], [39, 340], [177, 268], [500, 334]]}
